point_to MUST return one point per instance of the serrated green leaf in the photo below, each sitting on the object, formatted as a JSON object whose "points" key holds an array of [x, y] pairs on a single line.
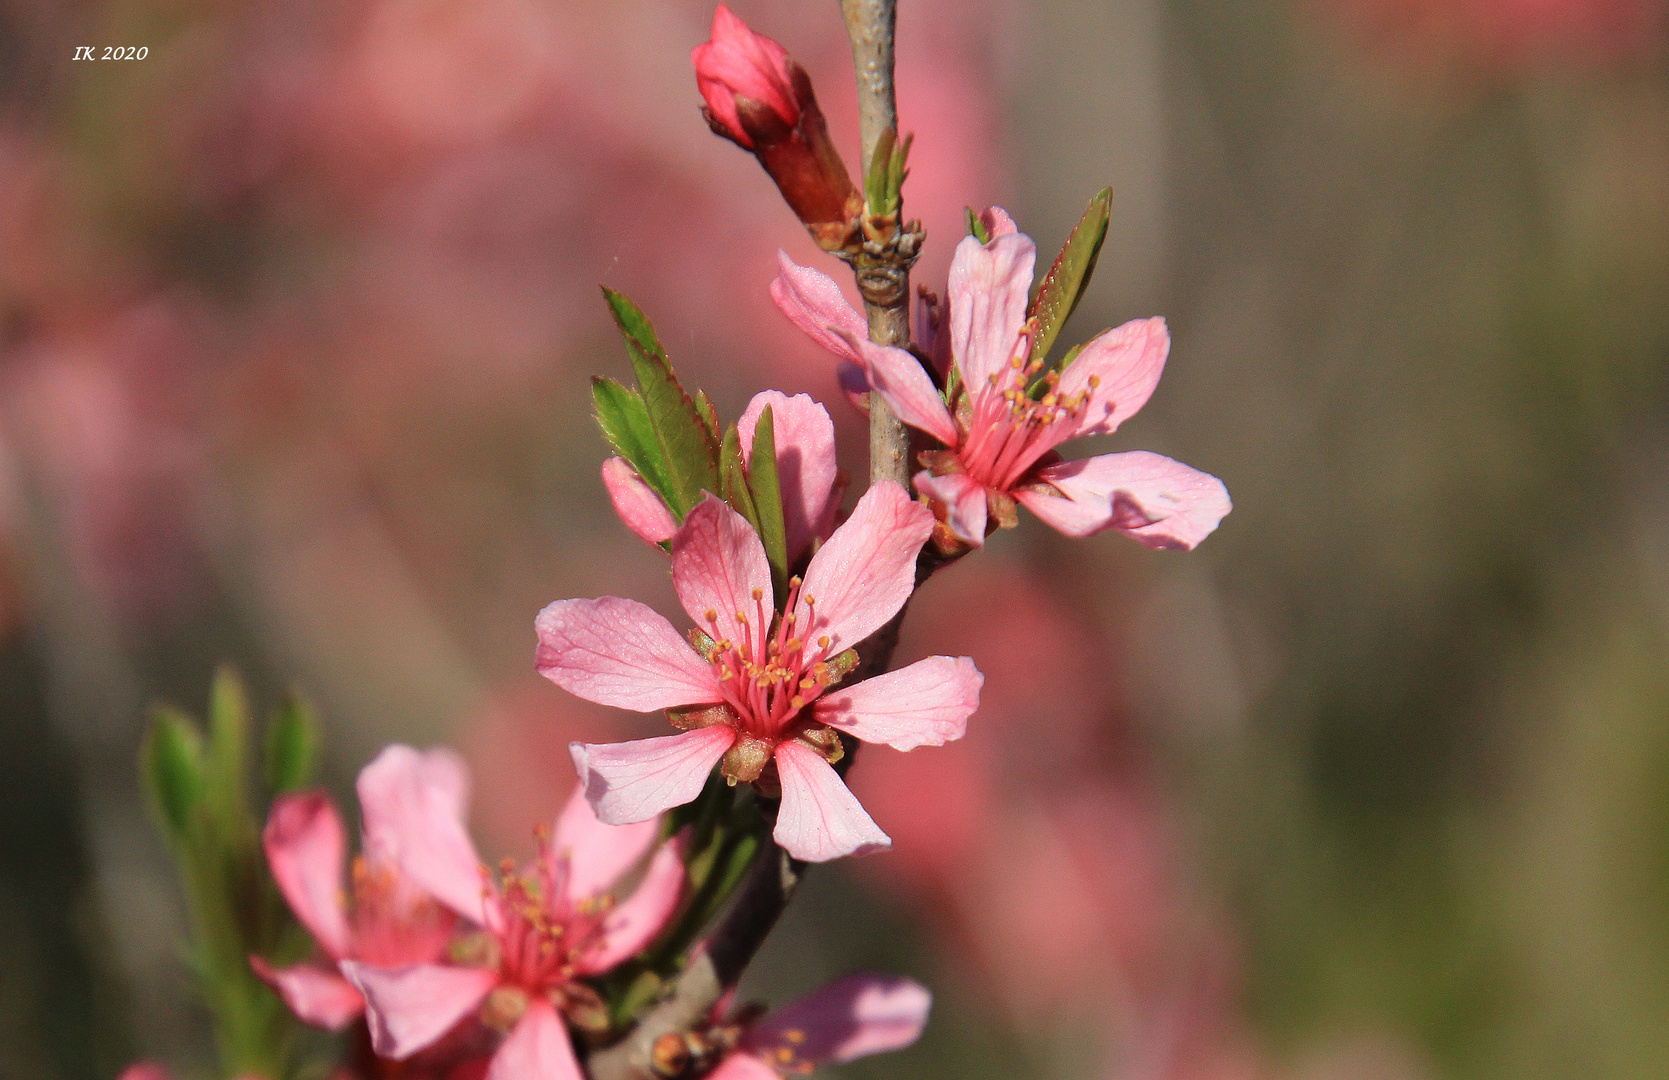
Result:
{"points": [[733, 478], [976, 227], [767, 500], [171, 770], [1063, 286], [625, 424], [292, 745], [705, 410], [687, 446]]}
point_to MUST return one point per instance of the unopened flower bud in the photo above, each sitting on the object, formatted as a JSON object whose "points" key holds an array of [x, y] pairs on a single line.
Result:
{"points": [[758, 97]]}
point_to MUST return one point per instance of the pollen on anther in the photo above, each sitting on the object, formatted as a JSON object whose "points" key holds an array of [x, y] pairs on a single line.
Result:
{"points": [[710, 615], [759, 594], [823, 642]]}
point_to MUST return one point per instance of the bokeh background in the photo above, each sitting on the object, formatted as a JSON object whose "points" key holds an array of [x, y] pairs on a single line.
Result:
{"points": [[297, 315]]}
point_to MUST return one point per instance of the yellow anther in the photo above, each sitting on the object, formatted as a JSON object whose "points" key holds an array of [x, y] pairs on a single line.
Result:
{"points": [[823, 642], [759, 594], [1094, 381], [797, 701], [742, 617], [711, 615]]}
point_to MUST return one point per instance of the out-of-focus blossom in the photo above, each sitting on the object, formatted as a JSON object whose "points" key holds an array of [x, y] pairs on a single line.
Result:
{"points": [[1506, 35], [545, 926], [761, 100], [392, 922], [150, 1070], [1006, 414], [849, 1019], [752, 693], [807, 474]]}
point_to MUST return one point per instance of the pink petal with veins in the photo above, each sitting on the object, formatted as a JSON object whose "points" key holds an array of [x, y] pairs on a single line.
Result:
{"points": [[852, 1018], [1126, 363], [318, 996], [1146, 496], [414, 798], [820, 819], [597, 854], [537, 1048], [640, 920], [806, 468], [814, 303], [409, 1008], [633, 781], [925, 704], [307, 851], [718, 564], [619, 652], [863, 575], [899, 377], [635, 502], [989, 286], [963, 500]]}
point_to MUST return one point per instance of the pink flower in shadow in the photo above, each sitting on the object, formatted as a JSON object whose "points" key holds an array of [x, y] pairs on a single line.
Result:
{"points": [[392, 922], [849, 1019], [545, 926], [755, 689]]}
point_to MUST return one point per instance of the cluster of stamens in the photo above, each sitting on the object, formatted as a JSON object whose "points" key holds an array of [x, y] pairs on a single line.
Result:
{"points": [[540, 937], [775, 670], [1009, 428]]}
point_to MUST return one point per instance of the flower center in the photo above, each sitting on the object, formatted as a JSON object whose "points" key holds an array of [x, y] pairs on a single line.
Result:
{"points": [[777, 668], [541, 935], [1009, 428]]}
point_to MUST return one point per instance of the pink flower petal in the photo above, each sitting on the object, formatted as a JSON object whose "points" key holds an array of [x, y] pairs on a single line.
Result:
{"points": [[814, 303], [854, 383], [619, 652], [1126, 363], [925, 704], [537, 1048], [640, 920], [963, 500], [639, 508], [989, 286], [997, 222], [409, 1008], [597, 855], [633, 781], [718, 563], [806, 467], [863, 575], [414, 800], [318, 996], [741, 1066], [899, 377], [150, 1070], [820, 818], [307, 851], [1146, 496], [852, 1018]]}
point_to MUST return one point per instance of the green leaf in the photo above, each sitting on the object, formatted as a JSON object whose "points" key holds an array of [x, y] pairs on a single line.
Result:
{"points": [[292, 745], [733, 478], [625, 423], [767, 501], [976, 227], [686, 442], [226, 765], [705, 410], [875, 188], [171, 771], [1063, 286]]}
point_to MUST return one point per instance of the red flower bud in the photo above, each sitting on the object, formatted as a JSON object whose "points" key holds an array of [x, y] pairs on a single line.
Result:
{"points": [[761, 100]]}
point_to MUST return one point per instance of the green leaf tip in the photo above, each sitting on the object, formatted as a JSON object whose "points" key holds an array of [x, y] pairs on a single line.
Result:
{"points": [[292, 745], [689, 450], [171, 771], [767, 500], [1063, 286], [976, 227]]}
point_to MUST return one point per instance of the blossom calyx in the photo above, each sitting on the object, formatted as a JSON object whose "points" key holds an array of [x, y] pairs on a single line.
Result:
{"points": [[759, 98]]}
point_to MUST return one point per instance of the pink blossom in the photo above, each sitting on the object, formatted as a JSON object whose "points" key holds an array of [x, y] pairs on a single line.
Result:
{"points": [[737, 62], [809, 478], [1006, 415], [755, 691], [849, 1019], [392, 922], [545, 926]]}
